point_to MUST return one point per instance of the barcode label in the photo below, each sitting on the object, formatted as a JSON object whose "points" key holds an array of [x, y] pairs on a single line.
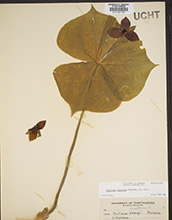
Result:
{"points": [[116, 8]]}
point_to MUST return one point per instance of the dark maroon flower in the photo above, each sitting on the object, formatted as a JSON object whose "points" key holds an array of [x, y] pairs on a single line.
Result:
{"points": [[34, 132], [124, 30]]}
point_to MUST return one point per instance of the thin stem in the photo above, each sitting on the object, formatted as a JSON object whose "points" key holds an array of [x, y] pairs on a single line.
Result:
{"points": [[45, 213], [110, 49], [67, 165]]}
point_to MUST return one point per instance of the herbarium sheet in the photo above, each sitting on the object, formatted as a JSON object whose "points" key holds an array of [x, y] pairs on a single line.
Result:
{"points": [[83, 111]]}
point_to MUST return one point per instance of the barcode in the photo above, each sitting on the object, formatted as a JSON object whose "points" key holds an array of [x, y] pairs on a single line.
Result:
{"points": [[118, 9]]}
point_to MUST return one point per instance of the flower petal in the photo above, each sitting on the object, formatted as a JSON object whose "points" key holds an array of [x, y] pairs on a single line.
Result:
{"points": [[115, 32], [40, 124], [132, 36], [32, 136], [125, 23]]}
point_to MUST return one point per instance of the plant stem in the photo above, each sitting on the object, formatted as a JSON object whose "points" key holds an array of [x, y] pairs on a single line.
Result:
{"points": [[67, 165], [46, 212], [110, 49]]}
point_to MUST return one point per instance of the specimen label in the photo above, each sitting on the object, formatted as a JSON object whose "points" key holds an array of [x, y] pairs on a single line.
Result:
{"points": [[118, 8], [133, 189]]}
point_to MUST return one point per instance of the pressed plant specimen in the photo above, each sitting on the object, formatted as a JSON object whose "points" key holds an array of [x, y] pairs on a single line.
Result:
{"points": [[113, 69]]}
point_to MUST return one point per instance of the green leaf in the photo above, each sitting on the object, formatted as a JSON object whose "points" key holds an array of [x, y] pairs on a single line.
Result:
{"points": [[114, 70], [85, 37]]}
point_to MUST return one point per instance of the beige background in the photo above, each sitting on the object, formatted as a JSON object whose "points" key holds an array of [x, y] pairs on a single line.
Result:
{"points": [[128, 144]]}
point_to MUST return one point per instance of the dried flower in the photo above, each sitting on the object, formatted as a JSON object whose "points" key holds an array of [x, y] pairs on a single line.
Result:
{"points": [[34, 132], [124, 30]]}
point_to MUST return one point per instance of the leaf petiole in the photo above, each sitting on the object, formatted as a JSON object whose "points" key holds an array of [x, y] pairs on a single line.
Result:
{"points": [[67, 165], [46, 213]]}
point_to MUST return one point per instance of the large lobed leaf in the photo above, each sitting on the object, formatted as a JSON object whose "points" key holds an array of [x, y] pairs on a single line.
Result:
{"points": [[113, 70]]}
